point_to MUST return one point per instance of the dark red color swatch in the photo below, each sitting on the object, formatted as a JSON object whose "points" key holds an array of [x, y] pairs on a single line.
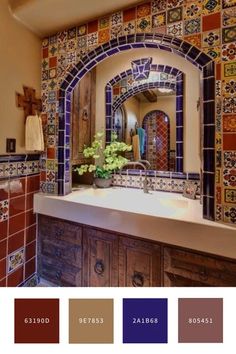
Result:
{"points": [[36, 320]]}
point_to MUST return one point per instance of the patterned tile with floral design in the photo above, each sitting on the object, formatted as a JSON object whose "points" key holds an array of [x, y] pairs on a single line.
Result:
{"points": [[174, 15], [230, 214], [143, 10], [230, 159], [15, 260], [214, 53], [211, 38], [192, 26], [174, 3], [158, 5], [143, 24], [229, 69], [194, 39], [228, 87], [228, 3], [229, 122], [229, 52], [129, 27], [192, 9], [229, 177], [229, 104], [229, 17], [159, 20], [4, 210], [210, 6], [229, 34], [230, 196], [175, 29]]}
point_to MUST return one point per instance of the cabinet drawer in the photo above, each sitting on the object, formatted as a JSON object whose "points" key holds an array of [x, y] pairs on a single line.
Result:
{"points": [[62, 251], [199, 269], [59, 273], [58, 229]]}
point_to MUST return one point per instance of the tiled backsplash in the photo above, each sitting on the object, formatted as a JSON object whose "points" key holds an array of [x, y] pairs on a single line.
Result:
{"points": [[19, 180]]}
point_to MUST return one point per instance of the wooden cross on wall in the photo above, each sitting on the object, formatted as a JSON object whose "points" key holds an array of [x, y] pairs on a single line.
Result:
{"points": [[28, 102]]}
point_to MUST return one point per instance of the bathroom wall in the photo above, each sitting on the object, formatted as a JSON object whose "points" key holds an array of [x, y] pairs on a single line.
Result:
{"points": [[208, 25], [132, 109], [19, 65]]}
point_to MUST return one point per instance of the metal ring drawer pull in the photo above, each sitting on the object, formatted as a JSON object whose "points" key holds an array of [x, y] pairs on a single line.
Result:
{"points": [[138, 280], [99, 267]]}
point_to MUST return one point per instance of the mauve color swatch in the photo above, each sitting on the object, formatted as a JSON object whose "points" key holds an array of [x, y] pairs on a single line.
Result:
{"points": [[145, 321], [36, 321], [201, 320]]}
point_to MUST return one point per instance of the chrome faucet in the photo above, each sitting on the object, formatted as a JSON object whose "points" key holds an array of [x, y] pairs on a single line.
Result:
{"points": [[139, 163]]}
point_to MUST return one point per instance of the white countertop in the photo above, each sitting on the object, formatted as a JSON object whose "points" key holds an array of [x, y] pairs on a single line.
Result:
{"points": [[160, 216]]}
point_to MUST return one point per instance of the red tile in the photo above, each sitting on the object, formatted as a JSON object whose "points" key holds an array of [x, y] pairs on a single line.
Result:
{"points": [[51, 153], [17, 205], [129, 14], [29, 201], [3, 283], [33, 184], [15, 278], [3, 229], [16, 223], [30, 267], [30, 251], [30, 218], [229, 141], [16, 241], [17, 187], [229, 122], [3, 249], [218, 71], [4, 190], [43, 176], [45, 53], [3, 268], [52, 62], [93, 26], [211, 22], [30, 234], [218, 195], [144, 10]]}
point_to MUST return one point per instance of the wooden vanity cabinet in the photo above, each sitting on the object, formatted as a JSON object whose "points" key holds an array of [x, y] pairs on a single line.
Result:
{"points": [[139, 263], [100, 258], [185, 268]]}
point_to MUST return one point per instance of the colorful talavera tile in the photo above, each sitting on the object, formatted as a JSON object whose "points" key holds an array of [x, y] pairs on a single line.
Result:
{"points": [[230, 196], [62, 48], [192, 26], [33, 167], [52, 73], [175, 29], [51, 176], [230, 159], [129, 27], [62, 36], [229, 17], [218, 137], [143, 10], [159, 20], [82, 42], [229, 104], [144, 24], [174, 15], [11, 169], [117, 18], [214, 53], [218, 194], [4, 210], [82, 30], [218, 212], [72, 33], [228, 87], [116, 31], [211, 38], [92, 39], [15, 260], [174, 3], [218, 88], [158, 5], [218, 157], [194, 39], [52, 50], [229, 34], [103, 22], [229, 69], [103, 35], [229, 52], [45, 43], [230, 214], [228, 3], [71, 45], [229, 176], [192, 9], [218, 172], [21, 168], [210, 6]]}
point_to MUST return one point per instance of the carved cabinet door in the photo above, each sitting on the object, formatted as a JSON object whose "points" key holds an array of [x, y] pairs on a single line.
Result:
{"points": [[139, 263], [100, 260]]}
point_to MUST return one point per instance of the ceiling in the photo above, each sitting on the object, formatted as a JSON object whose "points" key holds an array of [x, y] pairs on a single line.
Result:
{"points": [[46, 17]]}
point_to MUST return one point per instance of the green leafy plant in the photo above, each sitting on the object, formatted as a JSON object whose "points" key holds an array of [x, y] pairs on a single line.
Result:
{"points": [[106, 160]]}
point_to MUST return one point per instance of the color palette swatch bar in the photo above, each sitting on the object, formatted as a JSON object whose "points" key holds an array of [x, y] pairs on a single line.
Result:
{"points": [[36, 320], [90, 321], [145, 321], [201, 320]]}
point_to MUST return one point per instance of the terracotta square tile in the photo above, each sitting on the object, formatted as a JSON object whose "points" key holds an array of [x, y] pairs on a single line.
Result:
{"points": [[30, 234], [3, 283], [4, 190], [93, 26], [3, 249], [33, 183], [2, 268], [229, 123], [51, 153], [17, 205], [16, 223], [29, 201], [30, 250], [45, 53], [3, 229], [103, 35], [211, 22], [42, 178], [15, 278], [30, 268], [229, 141], [129, 14], [52, 62], [218, 71], [30, 218], [17, 187], [15, 242]]}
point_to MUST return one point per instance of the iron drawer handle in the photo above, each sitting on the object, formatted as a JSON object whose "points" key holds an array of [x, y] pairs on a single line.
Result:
{"points": [[58, 275], [99, 267], [203, 274], [137, 280], [58, 253]]}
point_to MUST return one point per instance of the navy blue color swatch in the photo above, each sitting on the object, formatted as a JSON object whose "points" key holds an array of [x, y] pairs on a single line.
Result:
{"points": [[145, 321]]}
